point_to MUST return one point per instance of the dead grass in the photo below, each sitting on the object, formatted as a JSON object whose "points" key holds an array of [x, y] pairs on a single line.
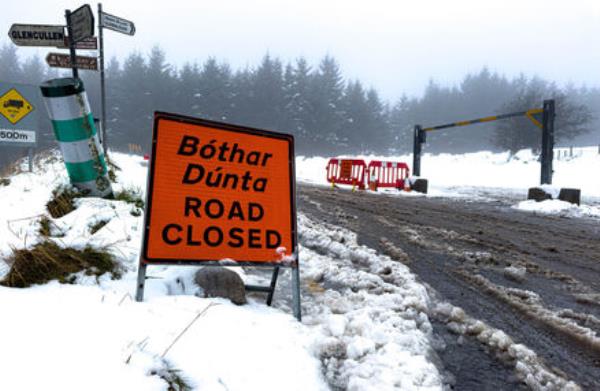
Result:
{"points": [[4, 181], [62, 201], [98, 226], [47, 261], [45, 227], [134, 198], [48, 228], [112, 169], [131, 197]]}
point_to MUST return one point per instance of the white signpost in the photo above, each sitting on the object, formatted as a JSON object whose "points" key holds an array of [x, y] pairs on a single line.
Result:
{"points": [[79, 35], [117, 24], [37, 35]]}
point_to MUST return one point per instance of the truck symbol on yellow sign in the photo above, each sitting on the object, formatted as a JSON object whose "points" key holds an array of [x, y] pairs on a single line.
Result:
{"points": [[14, 107]]}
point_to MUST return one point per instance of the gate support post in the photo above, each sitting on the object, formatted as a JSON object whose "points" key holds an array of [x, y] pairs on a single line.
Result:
{"points": [[417, 144], [547, 141]]}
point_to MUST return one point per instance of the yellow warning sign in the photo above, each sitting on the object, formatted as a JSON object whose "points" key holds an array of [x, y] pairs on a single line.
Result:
{"points": [[14, 107]]}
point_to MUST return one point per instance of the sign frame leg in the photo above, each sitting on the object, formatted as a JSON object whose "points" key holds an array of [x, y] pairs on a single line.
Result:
{"points": [[297, 305], [30, 158], [141, 282], [272, 286]]}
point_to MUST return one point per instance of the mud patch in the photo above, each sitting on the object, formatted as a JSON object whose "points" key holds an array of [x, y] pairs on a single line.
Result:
{"points": [[528, 367], [531, 305]]}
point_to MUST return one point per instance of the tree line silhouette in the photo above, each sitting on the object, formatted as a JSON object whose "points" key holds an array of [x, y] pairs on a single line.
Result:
{"points": [[327, 114]]}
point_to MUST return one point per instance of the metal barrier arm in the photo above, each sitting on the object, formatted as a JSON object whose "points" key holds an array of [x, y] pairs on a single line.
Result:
{"points": [[546, 124], [478, 120]]}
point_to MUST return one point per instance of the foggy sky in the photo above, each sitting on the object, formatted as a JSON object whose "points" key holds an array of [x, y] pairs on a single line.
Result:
{"points": [[395, 46]]}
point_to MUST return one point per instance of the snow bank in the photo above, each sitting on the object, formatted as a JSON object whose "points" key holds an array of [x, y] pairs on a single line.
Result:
{"points": [[366, 328], [558, 208], [93, 336], [97, 338], [376, 334]]}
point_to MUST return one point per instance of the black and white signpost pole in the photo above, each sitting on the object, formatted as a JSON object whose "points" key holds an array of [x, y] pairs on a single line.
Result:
{"points": [[119, 25], [72, 52], [80, 26], [102, 85]]}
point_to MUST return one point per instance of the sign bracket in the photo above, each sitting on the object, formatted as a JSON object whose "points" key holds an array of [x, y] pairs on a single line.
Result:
{"points": [[270, 290]]}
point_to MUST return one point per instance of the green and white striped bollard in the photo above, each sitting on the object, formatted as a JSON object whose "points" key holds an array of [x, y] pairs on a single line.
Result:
{"points": [[73, 123]]}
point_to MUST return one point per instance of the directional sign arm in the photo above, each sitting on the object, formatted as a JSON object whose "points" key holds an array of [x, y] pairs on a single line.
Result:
{"points": [[82, 23], [36, 34], [117, 24], [59, 60]]}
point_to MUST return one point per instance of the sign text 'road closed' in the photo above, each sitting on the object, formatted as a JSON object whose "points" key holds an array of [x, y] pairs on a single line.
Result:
{"points": [[219, 191]]}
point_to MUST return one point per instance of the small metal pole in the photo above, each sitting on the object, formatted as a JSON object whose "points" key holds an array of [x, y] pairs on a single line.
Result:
{"points": [[71, 45], [30, 156], [296, 291], [272, 286], [141, 281], [102, 80], [417, 151]]}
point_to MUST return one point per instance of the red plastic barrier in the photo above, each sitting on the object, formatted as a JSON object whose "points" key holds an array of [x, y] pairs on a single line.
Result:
{"points": [[387, 174], [347, 172]]}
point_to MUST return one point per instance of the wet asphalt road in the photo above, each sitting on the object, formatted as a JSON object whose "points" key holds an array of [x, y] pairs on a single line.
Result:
{"points": [[450, 240]]}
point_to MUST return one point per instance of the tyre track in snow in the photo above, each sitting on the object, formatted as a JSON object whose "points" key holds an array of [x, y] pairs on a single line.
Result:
{"points": [[448, 239]]}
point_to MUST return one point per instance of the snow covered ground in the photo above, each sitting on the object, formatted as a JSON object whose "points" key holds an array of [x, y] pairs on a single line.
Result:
{"points": [[487, 175], [364, 329], [365, 325]]}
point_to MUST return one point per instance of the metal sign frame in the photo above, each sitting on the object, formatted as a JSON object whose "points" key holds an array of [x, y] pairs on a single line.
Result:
{"points": [[547, 125], [145, 261]]}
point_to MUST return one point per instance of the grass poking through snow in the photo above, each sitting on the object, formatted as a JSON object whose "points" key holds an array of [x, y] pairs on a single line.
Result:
{"points": [[98, 226], [45, 227], [131, 197], [172, 376], [47, 261], [62, 201]]}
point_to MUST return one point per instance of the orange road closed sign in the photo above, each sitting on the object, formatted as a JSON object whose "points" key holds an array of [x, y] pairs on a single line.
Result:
{"points": [[219, 191]]}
